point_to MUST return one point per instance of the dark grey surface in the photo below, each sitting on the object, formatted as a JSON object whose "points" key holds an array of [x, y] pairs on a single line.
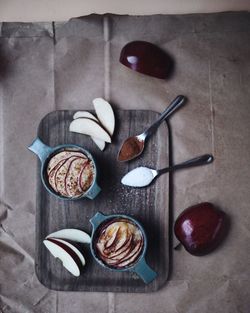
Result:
{"points": [[144, 204]]}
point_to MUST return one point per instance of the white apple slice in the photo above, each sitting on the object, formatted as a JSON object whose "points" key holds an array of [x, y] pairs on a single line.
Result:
{"points": [[89, 127], [100, 143], [85, 114], [78, 252], [69, 258], [105, 114], [71, 234]]}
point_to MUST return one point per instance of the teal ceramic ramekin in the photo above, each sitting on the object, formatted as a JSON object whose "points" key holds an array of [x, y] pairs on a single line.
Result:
{"points": [[45, 153], [140, 267]]}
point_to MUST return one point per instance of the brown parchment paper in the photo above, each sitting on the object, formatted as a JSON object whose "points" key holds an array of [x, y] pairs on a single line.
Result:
{"points": [[49, 66]]}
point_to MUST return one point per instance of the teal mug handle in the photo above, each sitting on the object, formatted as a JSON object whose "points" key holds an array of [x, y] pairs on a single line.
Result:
{"points": [[40, 149], [144, 271], [97, 219], [93, 192]]}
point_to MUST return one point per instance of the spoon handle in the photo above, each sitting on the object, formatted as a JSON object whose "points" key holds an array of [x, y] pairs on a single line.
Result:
{"points": [[174, 105], [200, 160]]}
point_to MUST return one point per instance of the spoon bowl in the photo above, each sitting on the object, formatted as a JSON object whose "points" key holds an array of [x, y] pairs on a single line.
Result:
{"points": [[133, 146]]}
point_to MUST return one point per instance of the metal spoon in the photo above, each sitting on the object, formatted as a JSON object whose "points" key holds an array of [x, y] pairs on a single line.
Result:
{"points": [[143, 176], [133, 146]]}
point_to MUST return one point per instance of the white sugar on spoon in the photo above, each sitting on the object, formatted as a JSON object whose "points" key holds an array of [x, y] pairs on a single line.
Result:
{"points": [[143, 176], [139, 177]]}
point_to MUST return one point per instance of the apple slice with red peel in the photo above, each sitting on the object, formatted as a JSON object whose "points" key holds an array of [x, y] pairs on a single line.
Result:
{"points": [[52, 173], [112, 240], [69, 258], [68, 179], [79, 254], [133, 255], [89, 127], [72, 183], [122, 239], [60, 176], [125, 249], [105, 114], [71, 234]]}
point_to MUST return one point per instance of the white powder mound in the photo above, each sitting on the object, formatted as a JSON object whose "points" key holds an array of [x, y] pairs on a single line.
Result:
{"points": [[139, 177]]}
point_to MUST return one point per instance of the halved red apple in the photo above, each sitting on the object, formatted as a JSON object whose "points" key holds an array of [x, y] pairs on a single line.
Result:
{"points": [[146, 58]]}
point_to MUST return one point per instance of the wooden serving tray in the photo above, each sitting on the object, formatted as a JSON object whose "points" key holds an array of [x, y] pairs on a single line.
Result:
{"points": [[150, 205]]}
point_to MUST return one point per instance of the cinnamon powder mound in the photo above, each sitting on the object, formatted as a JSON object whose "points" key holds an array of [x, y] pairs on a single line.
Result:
{"points": [[130, 148]]}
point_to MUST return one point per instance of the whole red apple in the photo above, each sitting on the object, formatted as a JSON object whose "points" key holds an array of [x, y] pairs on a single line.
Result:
{"points": [[146, 58], [200, 228]]}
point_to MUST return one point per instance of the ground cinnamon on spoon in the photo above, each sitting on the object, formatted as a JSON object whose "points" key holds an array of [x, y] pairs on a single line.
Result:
{"points": [[130, 149]]}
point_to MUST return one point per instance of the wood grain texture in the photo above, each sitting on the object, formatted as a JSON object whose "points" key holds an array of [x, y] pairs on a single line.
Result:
{"points": [[149, 205]]}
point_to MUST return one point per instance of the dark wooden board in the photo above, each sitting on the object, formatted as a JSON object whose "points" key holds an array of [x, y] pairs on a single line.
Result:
{"points": [[149, 205]]}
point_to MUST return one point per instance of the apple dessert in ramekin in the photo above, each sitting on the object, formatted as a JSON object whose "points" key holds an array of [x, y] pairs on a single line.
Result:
{"points": [[70, 173]]}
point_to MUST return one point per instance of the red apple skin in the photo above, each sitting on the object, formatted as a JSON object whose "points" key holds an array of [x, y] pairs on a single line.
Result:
{"points": [[146, 58], [200, 228]]}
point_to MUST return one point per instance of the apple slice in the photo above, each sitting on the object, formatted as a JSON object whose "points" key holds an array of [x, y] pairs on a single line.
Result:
{"points": [[105, 114], [71, 234], [79, 254], [89, 127], [69, 258], [85, 114], [112, 240], [100, 143]]}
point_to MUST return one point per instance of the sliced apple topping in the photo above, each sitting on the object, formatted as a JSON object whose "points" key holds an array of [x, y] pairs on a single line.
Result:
{"points": [[70, 173], [119, 244]]}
